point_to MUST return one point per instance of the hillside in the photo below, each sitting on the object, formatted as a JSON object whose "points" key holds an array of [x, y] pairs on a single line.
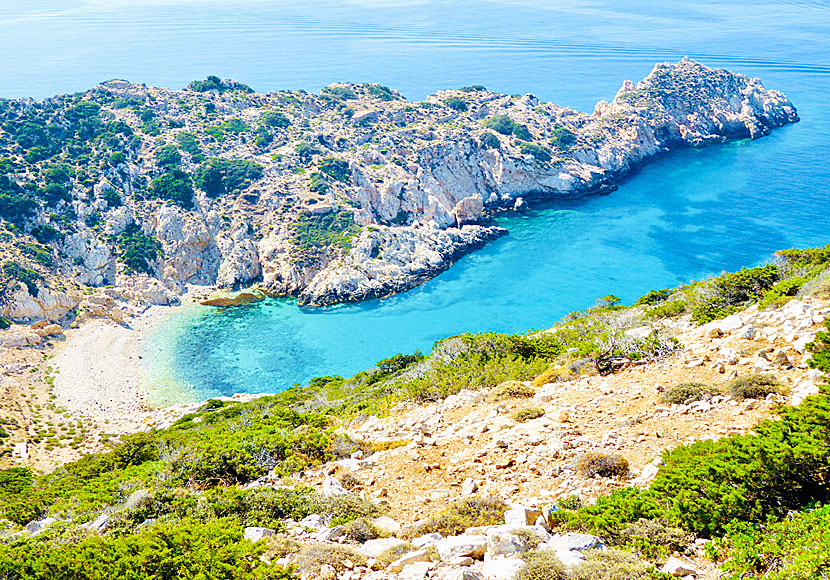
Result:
{"points": [[134, 193], [659, 433]]}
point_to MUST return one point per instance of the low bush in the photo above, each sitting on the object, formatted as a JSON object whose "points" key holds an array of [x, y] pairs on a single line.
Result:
{"points": [[456, 104], [602, 464], [511, 390], [542, 565], [137, 250], [490, 141], [391, 554], [615, 565], [275, 119], [687, 392], [820, 349], [563, 138], [175, 186], [753, 386], [217, 176], [361, 530], [653, 539], [668, 309], [466, 513], [652, 298], [314, 556], [336, 168], [528, 414], [796, 548]]}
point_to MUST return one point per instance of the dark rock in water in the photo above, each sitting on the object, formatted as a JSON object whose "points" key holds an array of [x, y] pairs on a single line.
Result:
{"points": [[241, 299]]}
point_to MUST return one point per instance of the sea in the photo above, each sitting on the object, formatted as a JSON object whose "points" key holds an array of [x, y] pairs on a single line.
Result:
{"points": [[684, 216]]}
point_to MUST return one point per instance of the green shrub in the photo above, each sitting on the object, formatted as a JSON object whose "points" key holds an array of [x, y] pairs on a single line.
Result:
{"points": [[820, 349], [345, 508], [572, 502], [753, 386], [187, 550], [602, 464], [507, 126], [336, 168], [339, 93], [733, 290], [175, 186], [538, 152], [653, 297], [667, 309], [381, 92], [542, 565], [168, 157], [188, 143], [691, 391], [320, 231], [466, 513], [29, 277], [796, 548], [615, 565], [563, 139], [490, 141], [456, 104], [528, 414], [512, 390], [782, 291], [217, 176], [138, 250], [653, 539], [275, 119]]}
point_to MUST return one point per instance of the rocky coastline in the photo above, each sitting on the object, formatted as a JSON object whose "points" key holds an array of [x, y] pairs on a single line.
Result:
{"points": [[128, 195]]}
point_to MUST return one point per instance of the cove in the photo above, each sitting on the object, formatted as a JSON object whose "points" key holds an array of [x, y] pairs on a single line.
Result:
{"points": [[687, 215]]}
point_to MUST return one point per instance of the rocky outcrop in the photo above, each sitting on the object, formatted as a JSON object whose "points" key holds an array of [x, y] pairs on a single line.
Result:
{"points": [[359, 194]]}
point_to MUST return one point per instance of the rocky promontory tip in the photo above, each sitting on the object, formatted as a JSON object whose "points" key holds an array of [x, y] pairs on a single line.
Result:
{"points": [[351, 194]]}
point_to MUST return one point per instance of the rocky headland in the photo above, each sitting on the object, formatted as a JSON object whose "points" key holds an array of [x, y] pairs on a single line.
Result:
{"points": [[127, 195]]}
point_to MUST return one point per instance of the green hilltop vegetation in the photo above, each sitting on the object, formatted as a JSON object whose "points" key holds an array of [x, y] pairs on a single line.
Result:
{"points": [[178, 509]]}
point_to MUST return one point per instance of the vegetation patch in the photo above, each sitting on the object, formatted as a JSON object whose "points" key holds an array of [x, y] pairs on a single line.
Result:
{"points": [[528, 414], [754, 386], [602, 464], [466, 513], [137, 250], [688, 392], [175, 186], [512, 390], [321, 231], [217, 176]]}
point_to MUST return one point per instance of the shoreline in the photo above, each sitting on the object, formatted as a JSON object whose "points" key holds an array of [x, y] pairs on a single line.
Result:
{"points": [[99, 372]]}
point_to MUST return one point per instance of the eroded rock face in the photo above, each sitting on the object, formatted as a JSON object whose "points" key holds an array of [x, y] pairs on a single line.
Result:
{"points": [[353, 206]]}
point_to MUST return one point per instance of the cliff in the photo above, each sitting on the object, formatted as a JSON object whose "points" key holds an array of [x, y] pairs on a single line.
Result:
{"points": [[347, 195]]}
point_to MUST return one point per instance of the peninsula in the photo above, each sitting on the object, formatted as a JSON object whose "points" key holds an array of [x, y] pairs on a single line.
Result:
{"points": [[141, 192]]}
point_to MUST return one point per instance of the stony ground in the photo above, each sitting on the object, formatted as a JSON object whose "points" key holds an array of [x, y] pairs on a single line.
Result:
{"points": [[469, 436]]}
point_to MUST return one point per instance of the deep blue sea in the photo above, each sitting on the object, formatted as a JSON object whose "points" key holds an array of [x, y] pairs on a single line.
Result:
{"points": [[682, 217]]}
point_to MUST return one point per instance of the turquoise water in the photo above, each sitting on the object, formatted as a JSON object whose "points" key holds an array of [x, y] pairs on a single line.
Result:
{"points": [[684, 216]]}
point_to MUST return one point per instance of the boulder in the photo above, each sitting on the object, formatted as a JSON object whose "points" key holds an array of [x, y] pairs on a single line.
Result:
{"points": [[503, 569], [408, 559], [427, 540], [314, 521], [507, 540], [255, 534], [521, 516], [99, 524], [415, 571], [575, 541], [677, 567], [469, 487], [37, 526], [332, 487], [386, 525], [374, 548], [455, 546]]}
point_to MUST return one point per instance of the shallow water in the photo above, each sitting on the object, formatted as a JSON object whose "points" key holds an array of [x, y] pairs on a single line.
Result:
{"points": [[684, 216]]}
